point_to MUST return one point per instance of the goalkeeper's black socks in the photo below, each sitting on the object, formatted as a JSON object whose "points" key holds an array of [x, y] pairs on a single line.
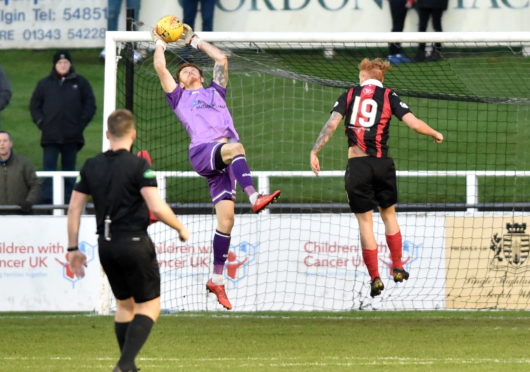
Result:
{"points": [[137, 334], [121, 331]]}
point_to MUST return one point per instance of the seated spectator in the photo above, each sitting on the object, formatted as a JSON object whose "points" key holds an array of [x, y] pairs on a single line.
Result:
{"points": [[19, 183]]}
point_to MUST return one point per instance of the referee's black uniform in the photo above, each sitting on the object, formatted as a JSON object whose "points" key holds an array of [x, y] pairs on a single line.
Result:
{"points": [[114, 179]]}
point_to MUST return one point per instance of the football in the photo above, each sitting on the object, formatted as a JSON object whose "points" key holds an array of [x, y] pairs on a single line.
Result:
{"points": [[169, 28]]}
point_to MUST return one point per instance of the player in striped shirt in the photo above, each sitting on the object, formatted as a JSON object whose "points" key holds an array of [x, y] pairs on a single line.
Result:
{"points": [[370, 178]]}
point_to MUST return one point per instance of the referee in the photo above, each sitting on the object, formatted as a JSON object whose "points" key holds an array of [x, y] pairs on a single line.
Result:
{"points": [[123, 188], [370, 178]]}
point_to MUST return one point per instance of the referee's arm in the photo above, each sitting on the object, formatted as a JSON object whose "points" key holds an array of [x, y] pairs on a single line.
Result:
{"points": [[162, 211], [75, 208], [76, 258]]}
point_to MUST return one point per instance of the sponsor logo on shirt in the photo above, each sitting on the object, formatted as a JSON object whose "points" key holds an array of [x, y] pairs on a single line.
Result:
{"points": [[149, 174], [203, 105], [368, 90]]}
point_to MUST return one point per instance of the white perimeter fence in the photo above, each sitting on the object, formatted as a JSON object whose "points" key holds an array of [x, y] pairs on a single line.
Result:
{"points": [[263, 177]]}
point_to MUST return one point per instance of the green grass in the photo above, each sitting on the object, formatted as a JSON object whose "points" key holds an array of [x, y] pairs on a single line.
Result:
{"points": [[351, 341]]}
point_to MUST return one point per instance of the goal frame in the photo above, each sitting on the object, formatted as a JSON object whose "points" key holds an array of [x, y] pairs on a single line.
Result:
{"points": [[305, 40], [309, 39]]}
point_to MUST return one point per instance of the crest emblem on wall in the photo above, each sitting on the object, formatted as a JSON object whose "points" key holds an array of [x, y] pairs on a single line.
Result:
{"points": [[512, 248]]}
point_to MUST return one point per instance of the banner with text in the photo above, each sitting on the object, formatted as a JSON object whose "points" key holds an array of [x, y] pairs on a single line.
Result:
{"points": [[34, 272], [301, 262], [82, 23], [487, 262], [39, 24], [275, 262]]}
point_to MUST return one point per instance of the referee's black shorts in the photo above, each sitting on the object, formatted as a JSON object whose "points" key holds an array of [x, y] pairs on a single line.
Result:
{"points": [[129, 261], [370, 182]]}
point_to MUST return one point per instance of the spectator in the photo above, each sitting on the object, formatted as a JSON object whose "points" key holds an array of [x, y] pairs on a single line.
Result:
{"points": [[61, 106], [18, 181], [430, 9], [114, 7], [5, 92], [190, 12], [398, 11]]}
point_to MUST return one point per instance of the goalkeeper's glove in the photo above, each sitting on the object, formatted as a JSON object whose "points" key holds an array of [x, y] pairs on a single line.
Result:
{"points": [[190, 37], [157, 39]]}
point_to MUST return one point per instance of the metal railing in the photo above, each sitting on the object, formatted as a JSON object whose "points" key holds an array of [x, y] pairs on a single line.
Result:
{"points": [[264, 177]]}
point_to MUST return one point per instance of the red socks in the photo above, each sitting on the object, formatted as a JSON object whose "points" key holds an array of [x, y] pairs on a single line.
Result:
{"points": [[370, 260], [395, 246]]}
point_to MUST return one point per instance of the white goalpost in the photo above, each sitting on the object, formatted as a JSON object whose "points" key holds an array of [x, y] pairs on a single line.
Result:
{"points": [[463, 207]]}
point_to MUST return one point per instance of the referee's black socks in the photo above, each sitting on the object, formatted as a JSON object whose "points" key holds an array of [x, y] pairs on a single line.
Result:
{"points": [[137, 333], [120, 328]]}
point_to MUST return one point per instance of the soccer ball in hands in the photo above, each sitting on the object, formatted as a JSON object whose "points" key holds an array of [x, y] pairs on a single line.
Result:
{"points": [[169, 28]]}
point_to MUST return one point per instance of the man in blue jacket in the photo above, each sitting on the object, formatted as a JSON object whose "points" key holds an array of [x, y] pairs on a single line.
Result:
{"points": [[61, 106]]}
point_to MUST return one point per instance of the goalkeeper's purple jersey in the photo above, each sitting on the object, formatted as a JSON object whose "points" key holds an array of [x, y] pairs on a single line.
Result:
{"points": [[203, 113]]}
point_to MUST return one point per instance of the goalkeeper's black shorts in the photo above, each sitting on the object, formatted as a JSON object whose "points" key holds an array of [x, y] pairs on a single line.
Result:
{"points": [[129, 261], [370, 182]]}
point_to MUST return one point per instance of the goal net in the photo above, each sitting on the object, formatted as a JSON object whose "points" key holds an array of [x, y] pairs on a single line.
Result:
{"points": [[463, 205]]}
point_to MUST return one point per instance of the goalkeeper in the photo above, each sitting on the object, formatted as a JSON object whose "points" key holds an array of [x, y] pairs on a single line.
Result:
{"points": [[370, 178], [214, 152]]}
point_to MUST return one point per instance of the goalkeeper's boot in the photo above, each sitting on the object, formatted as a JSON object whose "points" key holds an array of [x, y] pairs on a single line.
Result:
{"points": [[264, 200], [219, 291], [400, 275], [376, 286]]}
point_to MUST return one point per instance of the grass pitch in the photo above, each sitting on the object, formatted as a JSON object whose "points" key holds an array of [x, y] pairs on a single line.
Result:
{"points": [[350, 341]]}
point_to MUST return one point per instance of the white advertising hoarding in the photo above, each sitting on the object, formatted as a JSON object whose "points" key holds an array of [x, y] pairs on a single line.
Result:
{"points": [[82, 23], [34, 275], [39, 24], [302, 262], [275, 262]]}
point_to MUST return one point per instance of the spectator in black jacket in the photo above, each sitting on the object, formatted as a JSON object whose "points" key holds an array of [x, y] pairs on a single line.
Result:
{"points": [[5, 92], [430, 9], [61, 106]]}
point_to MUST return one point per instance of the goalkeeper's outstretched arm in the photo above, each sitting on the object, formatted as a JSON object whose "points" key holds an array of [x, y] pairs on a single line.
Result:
{"points": [[159, 63], [220, 70]]}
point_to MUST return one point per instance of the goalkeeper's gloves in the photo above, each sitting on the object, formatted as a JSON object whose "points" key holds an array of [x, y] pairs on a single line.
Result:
{"points": [[190, 37], [157, 39]]}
